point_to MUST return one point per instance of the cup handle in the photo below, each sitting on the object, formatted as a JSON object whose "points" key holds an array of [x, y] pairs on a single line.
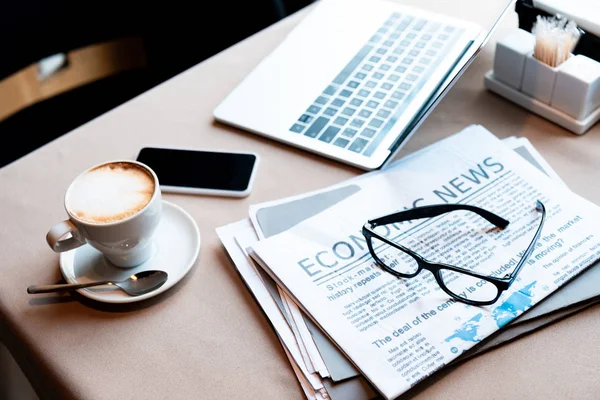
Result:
{"points": [[58, 231]]}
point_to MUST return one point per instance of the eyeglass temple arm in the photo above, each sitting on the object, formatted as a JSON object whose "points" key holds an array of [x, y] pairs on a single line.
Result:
{"points": [[540, 207], [438, 209]]}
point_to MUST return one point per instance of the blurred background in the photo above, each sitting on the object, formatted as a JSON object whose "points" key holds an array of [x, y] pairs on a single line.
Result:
{"points": [[64, 62]]}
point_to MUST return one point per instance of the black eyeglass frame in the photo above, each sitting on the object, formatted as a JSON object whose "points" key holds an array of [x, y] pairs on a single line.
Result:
{"points": [[431, 211]]}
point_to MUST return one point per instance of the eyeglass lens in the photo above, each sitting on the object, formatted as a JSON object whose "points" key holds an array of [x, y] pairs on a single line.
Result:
{"points": [[393, 258], [468, 287]]}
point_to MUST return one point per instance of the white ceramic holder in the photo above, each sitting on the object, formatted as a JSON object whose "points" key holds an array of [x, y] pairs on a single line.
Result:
{"points": [[568, 95]]}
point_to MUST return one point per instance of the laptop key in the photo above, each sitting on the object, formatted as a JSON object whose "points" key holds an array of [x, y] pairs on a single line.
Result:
{"points": [[365, 113], [405, 86], [353, 84], [383, 113], [393, 78], [345, 93], [330, 90], [371, 84], [433, 27], [363, 93], [368, 132], [372, 104], [360, 75], [377, 75], [379, 95], [398, 95], [390, 104], [404, 24], [313, 109], [374, 59], [386, 86], [340, 121], [348, 111], [297, 128], [349, 132], [329, 134], [330, 111], [376, 123], [321, 100], [337, 102], [358, 145], [357, 122], [356, 102], [341, 142], [305, 118], [316, 127], [419, 25]]}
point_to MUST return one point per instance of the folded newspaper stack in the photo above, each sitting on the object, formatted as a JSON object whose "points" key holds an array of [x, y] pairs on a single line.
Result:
{"points": [[352, 331]]}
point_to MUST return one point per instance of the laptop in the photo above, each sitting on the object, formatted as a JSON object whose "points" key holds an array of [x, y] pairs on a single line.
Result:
{"points": [[354, 79]]}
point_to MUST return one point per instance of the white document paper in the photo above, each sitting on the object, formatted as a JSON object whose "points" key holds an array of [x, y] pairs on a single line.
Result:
{"points": [[236, 237], [399, 331]]}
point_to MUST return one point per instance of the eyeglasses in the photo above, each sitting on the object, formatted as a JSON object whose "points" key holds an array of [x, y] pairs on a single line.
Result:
{"points": [[459, 283]]}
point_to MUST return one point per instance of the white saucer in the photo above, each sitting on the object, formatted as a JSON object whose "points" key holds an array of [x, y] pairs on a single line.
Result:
{"points": [[177, 245]]}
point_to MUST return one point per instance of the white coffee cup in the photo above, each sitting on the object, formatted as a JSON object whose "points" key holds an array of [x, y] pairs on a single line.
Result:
{"points": [[115, 207]]}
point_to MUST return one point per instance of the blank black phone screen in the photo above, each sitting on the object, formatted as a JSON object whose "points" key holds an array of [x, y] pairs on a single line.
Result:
{"points": [[199, 169]]}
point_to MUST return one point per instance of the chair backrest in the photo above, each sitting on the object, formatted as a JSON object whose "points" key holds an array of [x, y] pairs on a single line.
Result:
{"points": [[30, 31]]}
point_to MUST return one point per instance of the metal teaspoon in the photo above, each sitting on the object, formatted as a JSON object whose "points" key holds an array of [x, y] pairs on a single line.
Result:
{"points": [[136, 285]]}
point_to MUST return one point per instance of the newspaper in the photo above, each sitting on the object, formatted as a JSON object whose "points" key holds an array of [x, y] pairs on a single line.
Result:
{"points": [[237, 236], [279, 215], [397, 332]]}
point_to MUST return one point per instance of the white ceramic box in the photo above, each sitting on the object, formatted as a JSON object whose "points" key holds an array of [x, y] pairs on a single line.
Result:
{"points": [[510, 56], [577, 87], [539, 79], [568, 94]]}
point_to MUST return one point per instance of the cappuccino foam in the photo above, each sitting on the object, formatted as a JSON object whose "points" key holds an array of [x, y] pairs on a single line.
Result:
{"points": [[110, 193]]}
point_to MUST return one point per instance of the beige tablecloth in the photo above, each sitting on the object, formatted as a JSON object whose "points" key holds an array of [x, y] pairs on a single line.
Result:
{"points": [[206, 338]]}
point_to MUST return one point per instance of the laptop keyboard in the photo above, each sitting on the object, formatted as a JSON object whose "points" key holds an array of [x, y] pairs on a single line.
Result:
{"points": [[358, 108]]}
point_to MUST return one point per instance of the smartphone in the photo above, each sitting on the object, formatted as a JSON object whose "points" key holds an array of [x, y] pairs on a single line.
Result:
{"points": [[199, 171]]}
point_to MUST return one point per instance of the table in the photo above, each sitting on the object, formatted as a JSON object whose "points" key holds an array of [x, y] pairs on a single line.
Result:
{"points": [[206, 338]]}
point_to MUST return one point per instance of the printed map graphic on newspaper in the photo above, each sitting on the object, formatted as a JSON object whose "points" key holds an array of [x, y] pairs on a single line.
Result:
{"points": [[399, 331]]}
